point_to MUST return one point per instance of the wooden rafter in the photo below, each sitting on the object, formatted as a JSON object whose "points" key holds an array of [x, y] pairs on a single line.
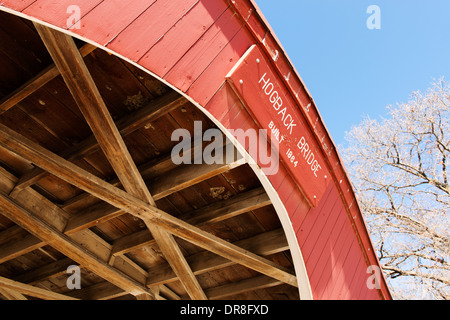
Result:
{"points": [[102, 290], [80, 83], [162, 186], [165, 178], [102, 212], [127, 125], [31, 86], [226, 199], [213, 213], [99, 291], [10, 294], [82, 179], [45, 272], [14, 287], [230, 289], [26, 211], [35, 213], [105, 290], [263, 244], [15, 242]]}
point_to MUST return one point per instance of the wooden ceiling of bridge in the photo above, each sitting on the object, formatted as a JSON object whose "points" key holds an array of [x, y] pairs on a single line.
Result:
{"points": [[79, 126]]}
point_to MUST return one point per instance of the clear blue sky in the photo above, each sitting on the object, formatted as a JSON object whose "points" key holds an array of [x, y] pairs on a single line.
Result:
{"points": [[352, 71]]}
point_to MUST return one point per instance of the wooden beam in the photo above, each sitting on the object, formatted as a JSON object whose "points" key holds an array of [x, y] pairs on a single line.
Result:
{"points": [[69, 247], [10, 294], [153, 111], [229, 208], [102, 290], [149, 171], [45, 272], [82, 179], [159, 172], [92, 216], [15, 242], [31, 86], [51, 215], [99, 291], [188, 175], [32, 291], [230, 289], [85, 93], [163, 185], [177, 261], [105, 291], [15, 249], [264, 244], [213, 213]]}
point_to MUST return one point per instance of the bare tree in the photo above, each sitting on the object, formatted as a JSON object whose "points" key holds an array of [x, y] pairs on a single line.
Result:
{"points": [[399, 168]]}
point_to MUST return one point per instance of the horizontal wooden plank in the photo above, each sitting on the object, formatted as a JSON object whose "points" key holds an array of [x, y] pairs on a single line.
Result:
{"points": [[67, 246], [226, 290], [188, 175], [10, 294], [100, 291], [263, 244], [17, 247], [213, 213], [92, 216], [127, 125], [32, 291], [31, 86], [161, 186], [39, 274]]}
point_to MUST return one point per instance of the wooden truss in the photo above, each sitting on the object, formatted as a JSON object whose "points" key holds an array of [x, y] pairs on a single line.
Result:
{"points": [[40, 222]]}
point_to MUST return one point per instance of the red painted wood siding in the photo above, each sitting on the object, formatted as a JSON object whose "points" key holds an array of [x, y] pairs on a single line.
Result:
{"points": [[193, 44], [332, 254]]}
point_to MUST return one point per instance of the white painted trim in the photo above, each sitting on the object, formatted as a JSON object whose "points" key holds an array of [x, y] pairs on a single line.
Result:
{"points": [[304, 287]]}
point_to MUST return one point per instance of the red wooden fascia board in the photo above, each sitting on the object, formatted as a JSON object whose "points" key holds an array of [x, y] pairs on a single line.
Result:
{"points": [[17, 5], [261, 30]]}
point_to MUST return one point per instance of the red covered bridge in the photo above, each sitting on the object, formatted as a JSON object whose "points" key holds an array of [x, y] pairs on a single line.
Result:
{"points": [[91, 94]]}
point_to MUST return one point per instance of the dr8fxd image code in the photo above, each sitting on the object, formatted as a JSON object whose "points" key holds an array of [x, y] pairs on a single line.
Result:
{"points": [[246, 309]]}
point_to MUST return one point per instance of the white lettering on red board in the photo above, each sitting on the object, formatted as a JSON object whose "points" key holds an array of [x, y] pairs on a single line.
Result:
{"points": [[308, 155], [277, 103], [304, 148]]}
